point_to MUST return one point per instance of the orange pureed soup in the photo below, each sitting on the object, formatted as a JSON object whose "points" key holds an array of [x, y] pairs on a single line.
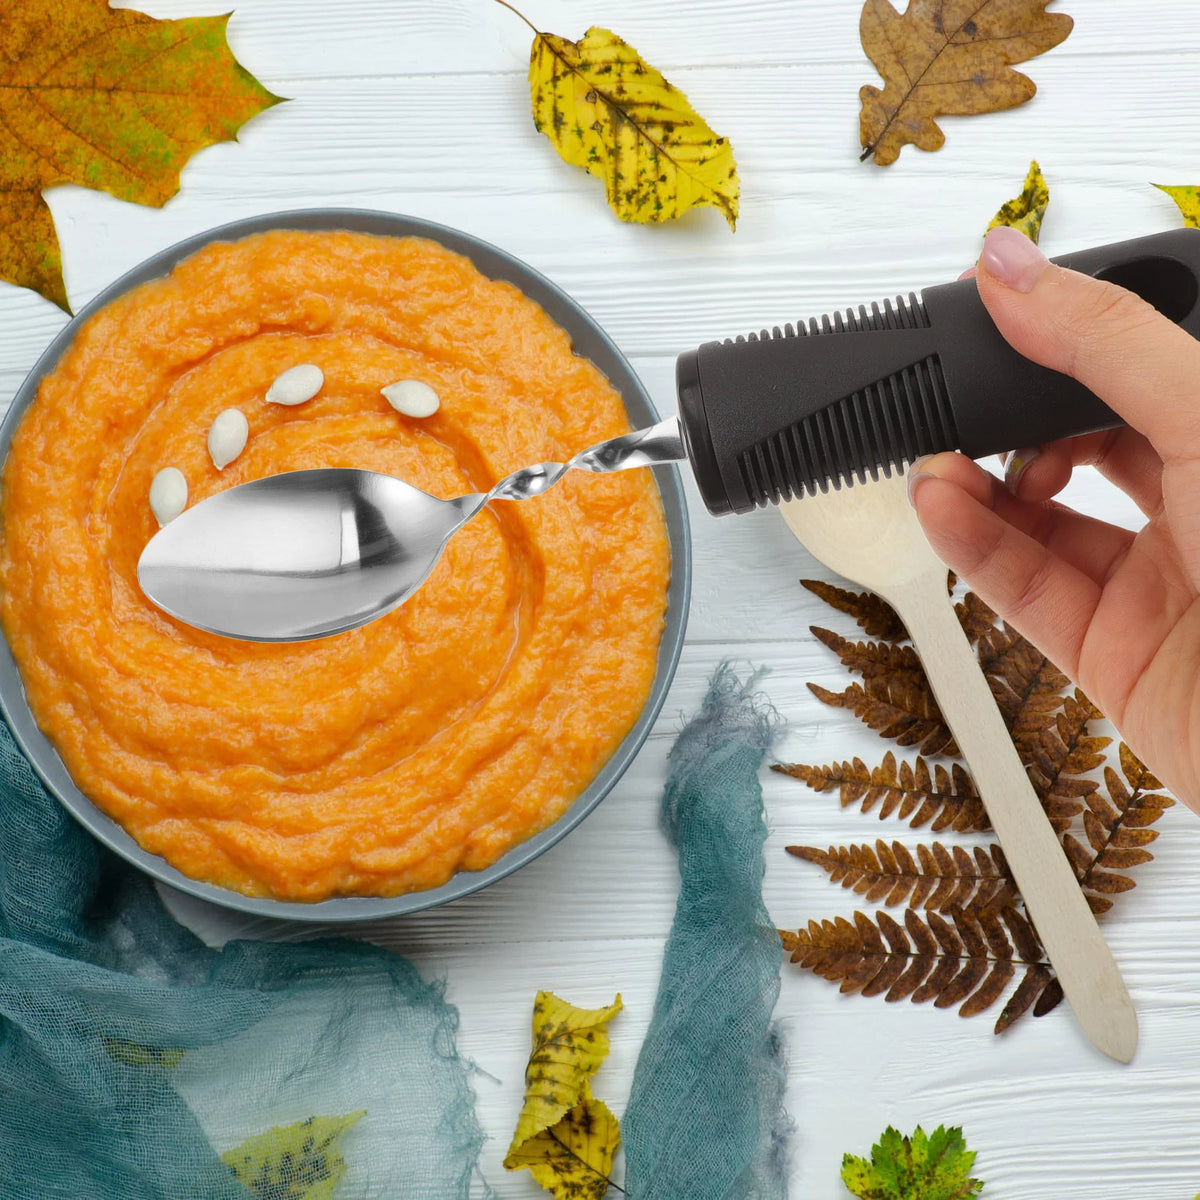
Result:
{"points": [[379, 761]]}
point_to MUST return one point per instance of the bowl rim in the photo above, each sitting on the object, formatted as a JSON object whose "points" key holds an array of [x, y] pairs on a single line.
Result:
{"points": [[589, 340]]}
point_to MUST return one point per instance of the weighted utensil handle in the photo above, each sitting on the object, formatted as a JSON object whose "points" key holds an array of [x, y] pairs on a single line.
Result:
{"points": [[780, 413]]}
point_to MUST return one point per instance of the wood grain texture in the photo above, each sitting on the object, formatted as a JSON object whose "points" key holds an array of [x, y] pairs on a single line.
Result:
{"points": [[422, 107]]}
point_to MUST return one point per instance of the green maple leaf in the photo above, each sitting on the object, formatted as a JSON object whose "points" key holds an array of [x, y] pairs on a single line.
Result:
{"points": [[934, 1167]]}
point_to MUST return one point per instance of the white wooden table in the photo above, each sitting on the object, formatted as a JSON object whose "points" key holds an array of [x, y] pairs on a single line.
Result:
{"points": [[421, 106]]}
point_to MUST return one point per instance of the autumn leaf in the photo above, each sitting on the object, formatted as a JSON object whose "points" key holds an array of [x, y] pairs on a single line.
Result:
{"points": [[606, 109], [947, 58], [134, 1054], [965, 940], [1025, 212], [918, 1168], [293, 1162], [565, 1137], [573, 1158], [110, 99], [1188, 199]]}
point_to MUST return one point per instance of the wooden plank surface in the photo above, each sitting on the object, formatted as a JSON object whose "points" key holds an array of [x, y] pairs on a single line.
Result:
{"points": [[422, 107]]}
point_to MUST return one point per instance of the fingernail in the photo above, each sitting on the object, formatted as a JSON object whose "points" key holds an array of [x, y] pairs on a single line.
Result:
{"points": [[916, 476], [1017, 465], [1012, 258]]}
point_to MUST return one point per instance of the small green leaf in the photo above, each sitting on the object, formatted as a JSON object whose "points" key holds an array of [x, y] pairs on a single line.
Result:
{"points": [[918, 1168], [1025, 212], [293, 1162]]}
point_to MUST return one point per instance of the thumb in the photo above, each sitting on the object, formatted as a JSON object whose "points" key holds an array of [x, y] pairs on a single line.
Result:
{"points": [[1142, 365]]}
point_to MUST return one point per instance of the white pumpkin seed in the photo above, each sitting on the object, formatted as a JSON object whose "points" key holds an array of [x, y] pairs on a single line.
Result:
{"points": [[412, 398], [296, 385], [227, 437], [168, 494]]}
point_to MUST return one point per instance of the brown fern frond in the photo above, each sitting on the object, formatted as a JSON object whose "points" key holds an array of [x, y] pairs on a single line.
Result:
{"points": [[1136, 772], [947, 798], [1039, 989], [939, 878], [1118, 831], [965, 941], [1026, 684], [875, 616], [974, 616], [894, 708], [872, 659], [1062, 755], [967, 961]]}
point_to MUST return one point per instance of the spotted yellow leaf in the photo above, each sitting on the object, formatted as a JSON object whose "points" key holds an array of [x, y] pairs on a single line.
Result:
{"points": [[1025, 212], [293, 1162], [604, 108], [1188, 199], [564, 1136], [569, 1044], [573, 1158]]}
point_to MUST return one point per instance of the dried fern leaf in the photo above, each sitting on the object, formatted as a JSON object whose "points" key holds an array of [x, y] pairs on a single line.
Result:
{"points": [[940, 878], [873, 659], [895, 708], [966, 961], [875, 616], [1060, 758], [1026, 684], [1118, 831], [1035, 984], [947, 798], [974, 616], [1136, 772], [964, 938]]}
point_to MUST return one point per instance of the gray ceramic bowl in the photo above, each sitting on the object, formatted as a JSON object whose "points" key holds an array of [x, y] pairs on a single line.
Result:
{"points": [[591, 341]]}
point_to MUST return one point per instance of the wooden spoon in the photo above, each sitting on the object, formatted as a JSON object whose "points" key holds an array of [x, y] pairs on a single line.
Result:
{"points": [[870, 534]]}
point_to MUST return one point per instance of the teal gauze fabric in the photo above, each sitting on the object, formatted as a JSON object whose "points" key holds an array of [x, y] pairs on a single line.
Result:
{"points": [[705, 1119], [132, 1055]]}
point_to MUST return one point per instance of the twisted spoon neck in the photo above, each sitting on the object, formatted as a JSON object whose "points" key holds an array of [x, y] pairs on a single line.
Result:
{"points": [[661, 443]]}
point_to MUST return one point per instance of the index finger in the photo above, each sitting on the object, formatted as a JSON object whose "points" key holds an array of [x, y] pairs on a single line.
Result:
{"points": [[1141, 364]]}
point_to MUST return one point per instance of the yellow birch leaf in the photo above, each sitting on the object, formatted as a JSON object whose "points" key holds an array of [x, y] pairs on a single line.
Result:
{"points": [[607, 110], [1025, 212], [573, 1158], [1188, 199], [293, 1162], [569, 1044]]}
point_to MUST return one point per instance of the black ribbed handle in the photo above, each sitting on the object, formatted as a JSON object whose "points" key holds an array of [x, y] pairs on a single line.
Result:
{"points": [[780, 413]]}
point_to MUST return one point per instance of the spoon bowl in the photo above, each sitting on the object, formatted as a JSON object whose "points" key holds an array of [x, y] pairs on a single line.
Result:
{"points": [[300, 555], [307, 554]]}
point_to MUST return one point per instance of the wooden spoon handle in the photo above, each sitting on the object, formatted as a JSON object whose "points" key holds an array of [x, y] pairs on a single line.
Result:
{"points": [[1082, 960]]}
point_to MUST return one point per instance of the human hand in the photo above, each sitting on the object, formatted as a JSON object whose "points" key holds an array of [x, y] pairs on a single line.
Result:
{"points": [[1119, 612]]}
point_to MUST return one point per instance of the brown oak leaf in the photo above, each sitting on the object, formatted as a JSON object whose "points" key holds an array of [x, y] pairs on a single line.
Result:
{"points": [[947, 58]]}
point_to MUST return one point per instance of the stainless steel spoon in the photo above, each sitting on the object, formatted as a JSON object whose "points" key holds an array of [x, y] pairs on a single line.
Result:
{"points": [[307, 554]]}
